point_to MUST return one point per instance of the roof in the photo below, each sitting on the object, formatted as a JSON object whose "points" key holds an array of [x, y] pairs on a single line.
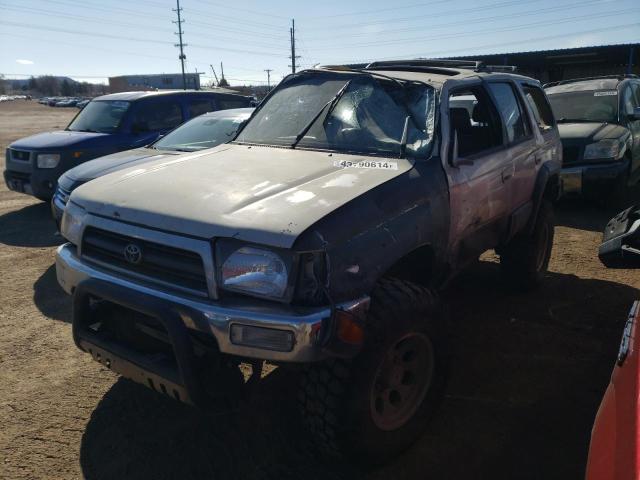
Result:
{"points": [[435, 72], [132, 96], [585, 84]]}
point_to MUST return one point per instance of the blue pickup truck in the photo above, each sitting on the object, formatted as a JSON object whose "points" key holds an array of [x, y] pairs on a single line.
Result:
{"points": [[108, 124]]}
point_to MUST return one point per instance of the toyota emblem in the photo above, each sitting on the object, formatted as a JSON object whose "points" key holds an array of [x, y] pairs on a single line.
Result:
{"points": [[133, 254]]}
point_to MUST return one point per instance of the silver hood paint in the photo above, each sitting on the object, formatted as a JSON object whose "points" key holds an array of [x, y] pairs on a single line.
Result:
{"points": [[257, 194]]}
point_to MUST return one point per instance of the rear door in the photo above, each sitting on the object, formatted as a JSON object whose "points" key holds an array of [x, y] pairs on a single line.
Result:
{"points": [[521, 148]]}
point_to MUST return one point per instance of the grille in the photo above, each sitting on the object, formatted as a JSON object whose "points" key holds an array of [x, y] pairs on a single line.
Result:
{"points": [[169, 266], [20, 155], [25, 177], [571, 154], [63, 194]]}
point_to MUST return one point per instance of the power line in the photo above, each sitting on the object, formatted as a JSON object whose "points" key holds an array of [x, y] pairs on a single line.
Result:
{"points": [[395, 21], [132, 39], [468, 33], [501, 45], [492, 18]]}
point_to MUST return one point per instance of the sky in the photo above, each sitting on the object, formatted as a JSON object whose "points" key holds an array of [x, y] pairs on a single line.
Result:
{"points": [[93, 39]]}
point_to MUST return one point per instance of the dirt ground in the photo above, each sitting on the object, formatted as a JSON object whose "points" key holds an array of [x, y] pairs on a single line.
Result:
{"points": [[527, 375]]}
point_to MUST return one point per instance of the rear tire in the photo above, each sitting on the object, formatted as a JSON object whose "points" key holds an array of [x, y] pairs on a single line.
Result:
{"points": [[377, 404], [525, 259]]}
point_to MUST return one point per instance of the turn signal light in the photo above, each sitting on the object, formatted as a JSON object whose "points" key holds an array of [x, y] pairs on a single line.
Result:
{"points": [[348, 328]]}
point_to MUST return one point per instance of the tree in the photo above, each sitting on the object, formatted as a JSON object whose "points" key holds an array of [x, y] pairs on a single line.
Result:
{"points": [[3, 84], [32, 84], [66, 88], [48, 85]]}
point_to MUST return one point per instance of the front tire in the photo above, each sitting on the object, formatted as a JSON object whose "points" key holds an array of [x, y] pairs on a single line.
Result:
{"points": [[377, 404], [525, 259]]}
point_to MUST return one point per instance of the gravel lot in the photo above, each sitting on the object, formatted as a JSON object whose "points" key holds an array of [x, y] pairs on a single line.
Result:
{"points": [[526, 379]]}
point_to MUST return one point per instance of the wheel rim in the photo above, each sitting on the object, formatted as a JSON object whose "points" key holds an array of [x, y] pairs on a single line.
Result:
{"points": [[402, 381], [543, 245]]}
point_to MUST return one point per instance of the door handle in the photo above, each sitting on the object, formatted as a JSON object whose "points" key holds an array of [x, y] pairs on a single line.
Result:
{"points": [[507, 173]]}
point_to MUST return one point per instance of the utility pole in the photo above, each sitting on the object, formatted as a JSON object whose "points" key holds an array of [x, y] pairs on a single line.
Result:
{"points": [[292, 32], [268, 70], [182, 56]]}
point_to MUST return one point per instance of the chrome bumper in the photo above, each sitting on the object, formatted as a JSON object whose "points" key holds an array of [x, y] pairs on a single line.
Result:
{"points": [[216, 318]]}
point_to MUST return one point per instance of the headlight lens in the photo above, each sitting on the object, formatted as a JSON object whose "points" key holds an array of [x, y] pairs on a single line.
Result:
{"points": [[73, 222], [48, 160], [255, 271], [605, 149]]}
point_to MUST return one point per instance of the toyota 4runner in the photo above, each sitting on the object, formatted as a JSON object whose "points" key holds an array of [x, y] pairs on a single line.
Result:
{"points": [[320, 237]]}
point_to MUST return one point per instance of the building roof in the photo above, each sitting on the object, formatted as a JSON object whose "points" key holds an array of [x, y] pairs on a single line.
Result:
{"points": [[132, 96], [154, 75]]}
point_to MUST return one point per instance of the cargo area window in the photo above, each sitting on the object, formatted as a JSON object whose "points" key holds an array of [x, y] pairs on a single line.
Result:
{"points": [[475, 121], [198, 106], [511, 111], [539, 106]]}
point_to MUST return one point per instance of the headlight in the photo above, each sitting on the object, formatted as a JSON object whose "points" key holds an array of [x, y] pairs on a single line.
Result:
{"points": [[605, 149], [48, 160], [256, 272], [73, 222]]}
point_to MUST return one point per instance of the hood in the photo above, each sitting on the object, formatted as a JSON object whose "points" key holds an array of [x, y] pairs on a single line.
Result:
{"points": [[257, 194], [111, 163], [63, 139], [589, 132]]}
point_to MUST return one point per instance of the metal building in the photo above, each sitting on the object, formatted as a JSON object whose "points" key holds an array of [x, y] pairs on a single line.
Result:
{"points": [[568, 63], [160, 81]]}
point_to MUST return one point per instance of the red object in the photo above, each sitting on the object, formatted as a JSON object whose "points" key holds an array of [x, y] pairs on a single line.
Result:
{"points": [[614, 453]]}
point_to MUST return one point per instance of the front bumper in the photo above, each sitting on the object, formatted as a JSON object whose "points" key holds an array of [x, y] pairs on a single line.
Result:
{"points": [[307, 325], [58, 202], [595, 180]]}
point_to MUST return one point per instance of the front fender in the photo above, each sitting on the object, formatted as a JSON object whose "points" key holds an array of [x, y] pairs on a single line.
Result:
{"points": [[366, 237]]}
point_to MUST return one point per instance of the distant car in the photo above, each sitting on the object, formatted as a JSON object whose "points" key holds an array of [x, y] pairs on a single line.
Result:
{"points": [[67, 102], [205, 131], [108, 124], [599, 123], [82, 103]]}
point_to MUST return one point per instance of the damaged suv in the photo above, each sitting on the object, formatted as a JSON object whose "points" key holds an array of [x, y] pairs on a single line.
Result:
{"points": [[318, 237]]}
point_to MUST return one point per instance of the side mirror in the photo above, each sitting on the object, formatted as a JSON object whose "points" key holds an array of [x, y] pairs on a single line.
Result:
{"points": [[635, 115]]}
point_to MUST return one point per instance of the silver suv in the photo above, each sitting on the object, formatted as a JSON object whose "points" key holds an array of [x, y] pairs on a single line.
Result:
{"points": [[319, 236]]}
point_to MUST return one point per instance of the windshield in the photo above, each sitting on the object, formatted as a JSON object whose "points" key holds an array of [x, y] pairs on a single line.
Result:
{"points": [[585, 105], [200, 133], [348, 113], [100, 116]]}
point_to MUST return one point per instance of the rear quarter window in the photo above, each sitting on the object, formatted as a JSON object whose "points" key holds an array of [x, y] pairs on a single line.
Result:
{"points": [[230, 102], [539, 106]]}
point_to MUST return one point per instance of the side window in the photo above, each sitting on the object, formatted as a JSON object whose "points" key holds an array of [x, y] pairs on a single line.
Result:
{"points": [[155, 116], [628, 100], [474, 120], [229, 102], [198, 106], [511, 111], [539, 106]]}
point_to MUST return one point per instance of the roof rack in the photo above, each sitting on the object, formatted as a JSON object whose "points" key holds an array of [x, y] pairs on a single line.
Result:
{"points": [[621, 76], [500, 68], [420, 62]]}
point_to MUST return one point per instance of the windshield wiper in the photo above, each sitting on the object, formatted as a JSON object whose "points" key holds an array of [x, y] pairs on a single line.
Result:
{"points": [[331, 104], [577, 120], [405, 134]]}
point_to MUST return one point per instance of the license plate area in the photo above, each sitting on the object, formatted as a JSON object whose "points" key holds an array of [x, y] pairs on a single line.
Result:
{"points": [[571, 182]]}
